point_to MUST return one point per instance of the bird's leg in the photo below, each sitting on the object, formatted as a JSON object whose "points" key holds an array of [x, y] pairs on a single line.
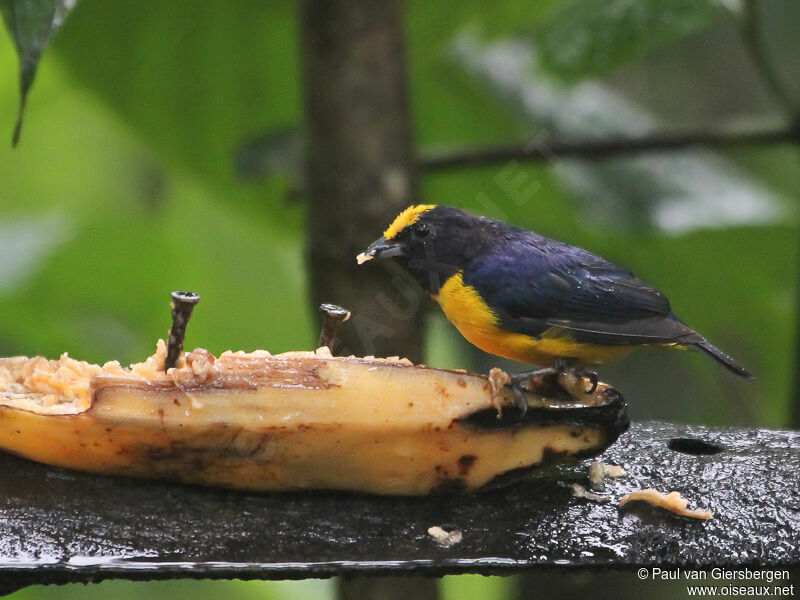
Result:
{"points": [[518, 378]]}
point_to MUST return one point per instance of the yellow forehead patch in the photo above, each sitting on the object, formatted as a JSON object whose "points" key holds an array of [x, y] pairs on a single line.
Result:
{"points": [[408, 217]]}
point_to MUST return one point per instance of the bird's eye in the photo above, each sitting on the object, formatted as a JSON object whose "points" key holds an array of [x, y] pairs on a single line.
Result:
{"points": [[423, 230]]}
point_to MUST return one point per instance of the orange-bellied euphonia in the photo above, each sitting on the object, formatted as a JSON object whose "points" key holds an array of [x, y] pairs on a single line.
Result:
{"points": [[517, 294]]}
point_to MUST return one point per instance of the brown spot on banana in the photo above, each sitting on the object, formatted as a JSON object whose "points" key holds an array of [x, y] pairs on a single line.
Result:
{"points": [[465, 463]]}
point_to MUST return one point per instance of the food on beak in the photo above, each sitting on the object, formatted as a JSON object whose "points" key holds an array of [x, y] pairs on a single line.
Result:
{"points": [[381, 248]]}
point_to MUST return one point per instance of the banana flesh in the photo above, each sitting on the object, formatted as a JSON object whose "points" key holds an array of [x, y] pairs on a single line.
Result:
{"points": [[293, 421]]}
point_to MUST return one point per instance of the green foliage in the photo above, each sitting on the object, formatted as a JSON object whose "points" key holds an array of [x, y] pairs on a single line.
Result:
{"points": [[193, 80], [586, 38], [435, 23], [31, 24]]}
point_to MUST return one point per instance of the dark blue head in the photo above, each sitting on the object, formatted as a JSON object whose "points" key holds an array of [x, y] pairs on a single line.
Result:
{"points": [[433, 242]]}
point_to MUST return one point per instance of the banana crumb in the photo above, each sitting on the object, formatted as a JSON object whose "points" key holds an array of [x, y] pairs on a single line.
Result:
{"points": [[672, 502], [598, 472], [578, 491], [498, 379], [444, 538]]}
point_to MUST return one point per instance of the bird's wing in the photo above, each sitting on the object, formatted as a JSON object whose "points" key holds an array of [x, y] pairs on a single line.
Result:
{"points": [[537, 285]]}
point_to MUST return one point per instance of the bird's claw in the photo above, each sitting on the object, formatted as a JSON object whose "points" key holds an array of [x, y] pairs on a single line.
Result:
{"points": [[519, 396]]}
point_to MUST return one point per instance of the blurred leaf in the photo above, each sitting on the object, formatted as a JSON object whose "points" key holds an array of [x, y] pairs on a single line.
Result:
{"points": [[195, 81], [438, 22], [586, 38], [234, 263], [31, 24], [669, 192], [25, 243], [450, 107], [205, 76], [274, 152]]}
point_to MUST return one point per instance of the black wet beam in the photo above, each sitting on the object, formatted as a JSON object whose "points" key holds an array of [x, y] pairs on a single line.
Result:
{"points": [[59, 526]]}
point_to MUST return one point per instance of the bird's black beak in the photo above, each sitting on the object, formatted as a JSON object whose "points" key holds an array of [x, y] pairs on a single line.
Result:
{"points": [[382, 248]]}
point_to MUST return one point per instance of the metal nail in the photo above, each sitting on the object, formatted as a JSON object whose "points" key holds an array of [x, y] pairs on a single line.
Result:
{"points": [[332, 317], [182, 305]]}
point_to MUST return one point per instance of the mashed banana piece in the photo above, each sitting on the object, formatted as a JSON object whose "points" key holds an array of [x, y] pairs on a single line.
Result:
{"points": [[445, 538], [63, 386], [579, 491], [673, 502], [52, 386], [599, 471], [498, 379]]}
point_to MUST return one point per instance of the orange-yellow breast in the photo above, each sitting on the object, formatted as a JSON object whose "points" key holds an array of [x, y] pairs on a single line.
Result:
{"points": [[476, 321]]}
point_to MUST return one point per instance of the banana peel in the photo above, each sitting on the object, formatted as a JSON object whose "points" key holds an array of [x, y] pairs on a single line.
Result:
{"points": [[295, 421]]}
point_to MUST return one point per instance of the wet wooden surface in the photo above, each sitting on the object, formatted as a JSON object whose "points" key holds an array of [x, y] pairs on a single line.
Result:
{"points": [[58, 526]]}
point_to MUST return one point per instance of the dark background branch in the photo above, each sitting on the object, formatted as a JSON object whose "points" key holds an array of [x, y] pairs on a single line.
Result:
{"points": [[541, 148], [359, 166], [359, 175]]}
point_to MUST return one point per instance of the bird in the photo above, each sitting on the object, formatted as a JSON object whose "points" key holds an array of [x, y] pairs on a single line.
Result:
{"points": [[516, 294]]}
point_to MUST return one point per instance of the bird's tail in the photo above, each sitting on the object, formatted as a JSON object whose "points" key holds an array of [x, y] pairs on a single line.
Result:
{"points": [[729, 363]]}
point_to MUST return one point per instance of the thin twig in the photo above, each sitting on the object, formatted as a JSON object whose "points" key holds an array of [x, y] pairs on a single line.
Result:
{"points": [[543, 150]]}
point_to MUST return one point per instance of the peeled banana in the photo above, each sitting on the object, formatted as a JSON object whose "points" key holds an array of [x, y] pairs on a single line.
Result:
{"points": [[293, 421]]}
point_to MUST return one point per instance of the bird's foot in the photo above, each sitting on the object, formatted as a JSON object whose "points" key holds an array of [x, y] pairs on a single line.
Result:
{"points": [[581, 375], [517, 379]]}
